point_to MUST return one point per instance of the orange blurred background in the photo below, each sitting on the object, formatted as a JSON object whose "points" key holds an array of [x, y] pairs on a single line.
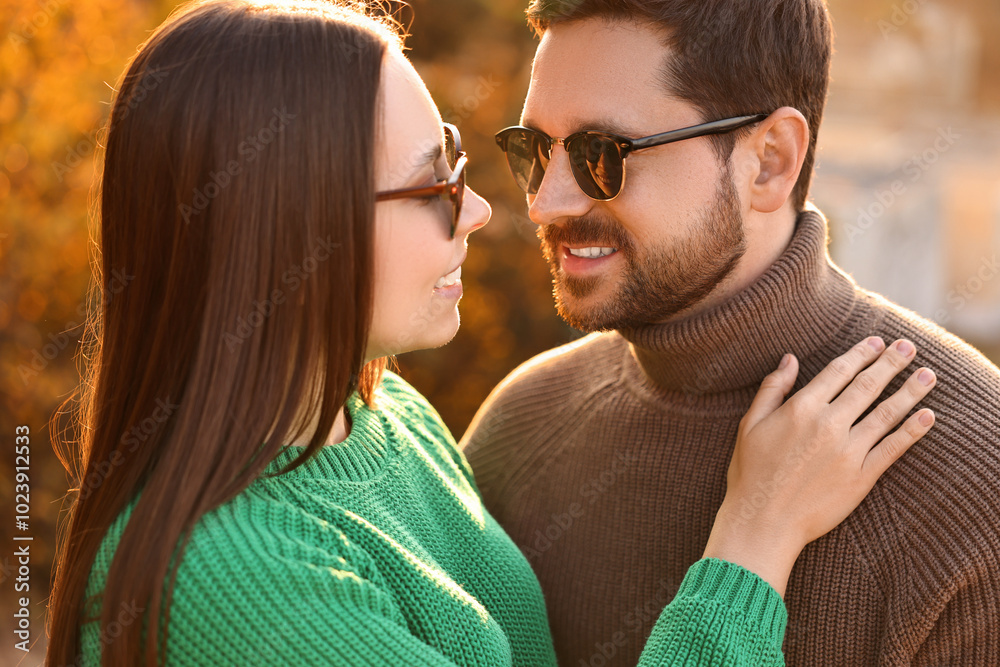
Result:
{"points": [[913, 216]]}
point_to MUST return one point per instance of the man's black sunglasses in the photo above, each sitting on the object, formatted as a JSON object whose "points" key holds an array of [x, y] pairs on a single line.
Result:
{"points": [[597, 159]]}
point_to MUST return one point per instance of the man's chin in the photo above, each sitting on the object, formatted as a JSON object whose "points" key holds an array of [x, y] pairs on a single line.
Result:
{"points": [[588, 301], [594, 311]]}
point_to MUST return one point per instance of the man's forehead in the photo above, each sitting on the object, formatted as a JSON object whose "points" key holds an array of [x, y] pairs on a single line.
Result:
{"points": [[575, 64], [595, 75]]}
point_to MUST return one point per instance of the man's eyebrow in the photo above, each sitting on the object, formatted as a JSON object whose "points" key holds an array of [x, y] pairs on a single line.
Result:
{"points": [[600, 125], [610, 126]]}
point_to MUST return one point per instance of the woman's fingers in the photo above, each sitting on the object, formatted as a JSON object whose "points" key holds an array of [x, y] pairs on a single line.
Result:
{"points": [[814, 463], [887, 452], [841, 371], [870, 383], [891, 411], [800, 467], [772, 391]]}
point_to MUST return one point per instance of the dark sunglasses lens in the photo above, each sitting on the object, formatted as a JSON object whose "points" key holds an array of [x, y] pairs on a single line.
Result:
{"points": [[597, 165], [527, 157]]}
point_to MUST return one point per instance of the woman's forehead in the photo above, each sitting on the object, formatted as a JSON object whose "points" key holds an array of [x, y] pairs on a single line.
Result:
{"points": [[411, 121]]}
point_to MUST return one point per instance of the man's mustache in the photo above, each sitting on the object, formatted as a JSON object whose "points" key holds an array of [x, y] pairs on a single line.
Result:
{"points": [[588, 231]]}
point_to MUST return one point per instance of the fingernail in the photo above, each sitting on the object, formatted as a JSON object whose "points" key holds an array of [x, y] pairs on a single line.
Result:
{"points": [[876, 343], [905, 348], [785, 360], [926, 377], [927, 418]]}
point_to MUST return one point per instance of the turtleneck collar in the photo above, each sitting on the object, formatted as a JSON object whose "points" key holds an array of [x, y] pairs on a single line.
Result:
{"points": [[796, 305]]}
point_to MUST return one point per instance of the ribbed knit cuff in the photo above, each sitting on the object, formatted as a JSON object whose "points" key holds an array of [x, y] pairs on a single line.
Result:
{"points": [[740, 590]]}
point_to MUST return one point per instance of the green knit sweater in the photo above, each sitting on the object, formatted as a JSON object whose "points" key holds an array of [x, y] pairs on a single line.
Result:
{"points": [[378, 551]]}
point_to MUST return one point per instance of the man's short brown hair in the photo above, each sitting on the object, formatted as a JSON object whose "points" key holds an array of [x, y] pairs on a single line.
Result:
{"points": [[729, 57]]}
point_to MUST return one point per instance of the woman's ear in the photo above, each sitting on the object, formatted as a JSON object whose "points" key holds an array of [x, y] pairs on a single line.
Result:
{"points": [[776, 151]]}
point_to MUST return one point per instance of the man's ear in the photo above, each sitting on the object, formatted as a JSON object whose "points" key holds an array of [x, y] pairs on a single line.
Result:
{"points": [[773, 157]]}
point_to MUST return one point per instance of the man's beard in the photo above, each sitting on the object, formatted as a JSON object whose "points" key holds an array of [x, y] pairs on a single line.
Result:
{"points": [[658, 281]]}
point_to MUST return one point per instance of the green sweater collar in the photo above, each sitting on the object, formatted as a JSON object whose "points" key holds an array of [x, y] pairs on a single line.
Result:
{"points": [[371, 445]]}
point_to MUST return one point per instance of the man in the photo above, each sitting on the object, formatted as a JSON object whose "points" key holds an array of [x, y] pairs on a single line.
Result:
{"points": [[698, 263]]}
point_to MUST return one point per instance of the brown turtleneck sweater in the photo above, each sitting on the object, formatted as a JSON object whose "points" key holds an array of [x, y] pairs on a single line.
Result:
{"points": [[606, 461]]}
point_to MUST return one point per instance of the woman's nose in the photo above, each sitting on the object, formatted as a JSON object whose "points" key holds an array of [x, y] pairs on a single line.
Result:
{"points": [[476, 212]]}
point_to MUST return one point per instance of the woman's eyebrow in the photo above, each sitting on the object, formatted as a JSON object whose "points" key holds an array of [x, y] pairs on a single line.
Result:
{"points": [[429, 156]]}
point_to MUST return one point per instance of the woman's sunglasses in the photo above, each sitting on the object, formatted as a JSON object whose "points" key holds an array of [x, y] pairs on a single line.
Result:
{"points": [[451, 188], [597, 159]]}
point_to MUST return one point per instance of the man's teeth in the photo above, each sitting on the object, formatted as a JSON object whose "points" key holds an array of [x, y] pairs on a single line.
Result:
{"points": [[592, 253], [450, 279]]}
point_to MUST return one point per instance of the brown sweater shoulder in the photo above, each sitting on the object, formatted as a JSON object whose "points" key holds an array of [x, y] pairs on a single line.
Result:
{"points": [[928, 535], [944, 494], [502, 442]]}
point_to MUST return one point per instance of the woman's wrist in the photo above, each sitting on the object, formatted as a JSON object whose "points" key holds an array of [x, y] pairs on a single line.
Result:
{"points": [[760, 546]]}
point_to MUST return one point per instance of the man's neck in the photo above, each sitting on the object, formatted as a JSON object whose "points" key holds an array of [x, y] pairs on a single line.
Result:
{"points": [[795, 305], [768, 236]]}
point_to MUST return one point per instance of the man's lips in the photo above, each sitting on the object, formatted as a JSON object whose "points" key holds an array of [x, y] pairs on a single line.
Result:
{"points": [[571, 263]]}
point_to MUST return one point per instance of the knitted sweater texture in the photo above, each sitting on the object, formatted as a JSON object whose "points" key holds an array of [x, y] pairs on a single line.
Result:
{"points": [[378, 551], [606, 459]]}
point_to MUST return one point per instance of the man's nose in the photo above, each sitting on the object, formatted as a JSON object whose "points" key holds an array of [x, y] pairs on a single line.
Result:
{"points": [[559, 196]]}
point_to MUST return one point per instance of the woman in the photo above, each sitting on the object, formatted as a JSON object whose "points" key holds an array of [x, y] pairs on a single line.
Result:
{"points": [[293, 214]]}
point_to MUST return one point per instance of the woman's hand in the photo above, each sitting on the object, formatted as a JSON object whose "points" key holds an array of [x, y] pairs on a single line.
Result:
{"points": [[802, 466]]}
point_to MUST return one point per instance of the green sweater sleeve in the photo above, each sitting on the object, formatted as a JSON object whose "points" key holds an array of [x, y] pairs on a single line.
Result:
{"points": [[293, 611], [722, 616]]}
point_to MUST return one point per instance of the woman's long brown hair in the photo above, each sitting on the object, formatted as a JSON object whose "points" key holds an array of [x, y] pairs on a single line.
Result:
{"points": [[234, 285]]}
